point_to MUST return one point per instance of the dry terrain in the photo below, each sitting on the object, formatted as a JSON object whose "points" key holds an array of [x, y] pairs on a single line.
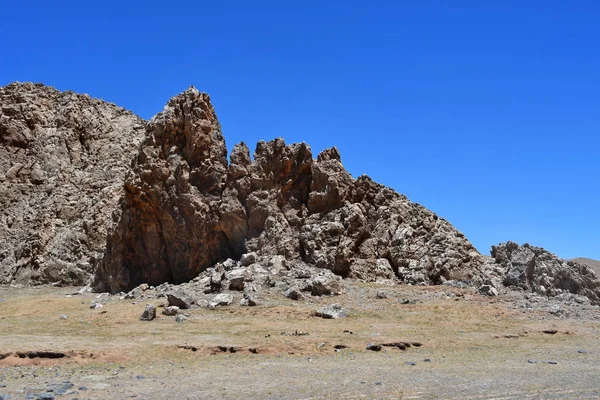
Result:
{"points": [[53, 344]]}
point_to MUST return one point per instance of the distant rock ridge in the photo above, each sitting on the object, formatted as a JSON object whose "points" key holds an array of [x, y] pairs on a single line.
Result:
{"points": [[89, 188]]}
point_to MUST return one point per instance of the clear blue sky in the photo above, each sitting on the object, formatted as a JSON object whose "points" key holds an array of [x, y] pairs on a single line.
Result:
{"points": [[486, 112]]}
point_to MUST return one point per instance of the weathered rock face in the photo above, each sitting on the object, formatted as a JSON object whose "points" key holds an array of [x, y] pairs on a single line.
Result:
{"points": [[184, 209], [170, 228], [63, 159], [533, 268]]}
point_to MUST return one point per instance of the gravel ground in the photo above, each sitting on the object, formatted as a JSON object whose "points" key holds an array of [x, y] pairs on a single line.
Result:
{"points": [[472, 347]]}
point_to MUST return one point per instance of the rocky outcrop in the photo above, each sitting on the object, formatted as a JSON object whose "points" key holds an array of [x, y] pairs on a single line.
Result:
{"points": [[169, 228], [184, 209], [63, 160], [593, 264], [537, 270], [89, 187]]}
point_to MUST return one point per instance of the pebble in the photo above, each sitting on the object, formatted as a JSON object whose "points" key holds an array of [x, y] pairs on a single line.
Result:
{"points": [[581, 351], [531, 361], [427, 360], [410, 363], [552, 362], [374, 347], [181, 318]]}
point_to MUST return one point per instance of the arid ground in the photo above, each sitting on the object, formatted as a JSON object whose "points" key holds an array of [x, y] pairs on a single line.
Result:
{"points": [[53, 345]]}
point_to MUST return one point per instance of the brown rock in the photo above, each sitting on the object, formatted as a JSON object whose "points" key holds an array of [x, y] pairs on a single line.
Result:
{"points": [[63, 160]]}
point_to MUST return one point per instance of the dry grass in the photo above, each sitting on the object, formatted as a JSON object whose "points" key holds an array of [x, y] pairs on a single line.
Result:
{"points": [[464, 332]]}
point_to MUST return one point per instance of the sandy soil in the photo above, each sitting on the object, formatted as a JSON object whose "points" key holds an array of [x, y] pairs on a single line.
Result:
{"points": [[472, 347]]}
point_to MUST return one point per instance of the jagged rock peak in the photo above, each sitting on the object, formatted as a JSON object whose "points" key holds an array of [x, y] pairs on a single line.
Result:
{"points": [[63, 159], [184, 209]]}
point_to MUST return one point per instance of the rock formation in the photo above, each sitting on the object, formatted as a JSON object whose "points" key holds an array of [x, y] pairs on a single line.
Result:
{"points": [[537, 270], [63, 159], [184, 209], [88, 187]]}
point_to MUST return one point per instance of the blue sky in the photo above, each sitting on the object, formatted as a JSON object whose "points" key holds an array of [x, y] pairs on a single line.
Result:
{"points": [[486, 112]]}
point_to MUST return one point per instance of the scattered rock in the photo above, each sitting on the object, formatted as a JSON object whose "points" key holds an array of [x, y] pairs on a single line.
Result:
{"points": [[293, 293], [96, 305], [399, 345], [170, 310], [295, 333], [550, 331], [411, 363], [223, 299], [181, 318], [374, 347], [332, 311], [488, 290], [381, 295], [180, 299], [149, 313]]}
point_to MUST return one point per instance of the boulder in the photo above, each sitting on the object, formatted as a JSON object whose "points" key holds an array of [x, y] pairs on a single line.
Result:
{"points": [[180, 299], [170, 310], [223, 299], [332, 311], [149, 313]]}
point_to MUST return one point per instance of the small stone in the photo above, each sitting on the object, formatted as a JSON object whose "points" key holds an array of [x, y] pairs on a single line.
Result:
{"points": [[550, 331], [170, 310], [248, 259], [248, 301], [531, 361], [581, 351], [64, 316], [96, 305], [332, 311], [181, 318], [552, 362], [139, 377], [223, 299], [411, 363], [427, 360], [179, 299], [293, 293], [381, 295], [488, 290], [149, 313], [374, 347]]}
